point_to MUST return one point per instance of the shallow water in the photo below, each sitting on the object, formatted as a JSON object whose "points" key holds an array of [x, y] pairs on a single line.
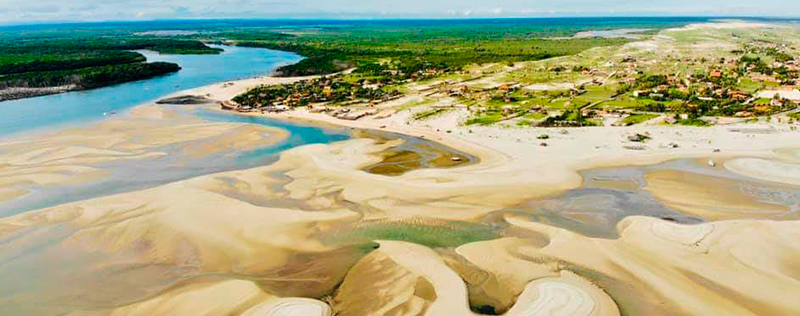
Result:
{"points": [[414, 153], [136, 174], [83, 108], [609, 195]]}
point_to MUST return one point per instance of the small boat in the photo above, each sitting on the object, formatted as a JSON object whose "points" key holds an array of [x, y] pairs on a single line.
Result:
{"points": [[109, 113]]}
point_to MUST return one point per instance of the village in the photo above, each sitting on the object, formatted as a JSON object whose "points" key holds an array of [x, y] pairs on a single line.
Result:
{"points": [[758, 80]]}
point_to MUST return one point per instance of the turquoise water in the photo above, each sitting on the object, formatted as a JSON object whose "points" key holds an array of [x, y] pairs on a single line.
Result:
{"points": [[79, 107], [84, 108], [300, 134]]}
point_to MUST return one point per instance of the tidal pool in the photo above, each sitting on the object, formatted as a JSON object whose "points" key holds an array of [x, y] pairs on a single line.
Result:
{"points": [[686, 191]]}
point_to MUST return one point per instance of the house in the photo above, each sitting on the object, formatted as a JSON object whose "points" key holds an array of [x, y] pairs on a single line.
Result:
{"points": [[775, 102], [715, 74], [739, 96]]}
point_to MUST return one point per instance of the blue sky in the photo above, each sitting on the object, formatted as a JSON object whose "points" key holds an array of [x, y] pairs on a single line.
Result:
{"points": [[20, 11]]}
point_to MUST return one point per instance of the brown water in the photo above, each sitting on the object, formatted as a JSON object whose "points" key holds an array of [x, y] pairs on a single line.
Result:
{"points": [[412, 154]]}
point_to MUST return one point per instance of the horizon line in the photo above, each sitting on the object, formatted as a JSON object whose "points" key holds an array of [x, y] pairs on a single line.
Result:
{"points": [[345, 19]]}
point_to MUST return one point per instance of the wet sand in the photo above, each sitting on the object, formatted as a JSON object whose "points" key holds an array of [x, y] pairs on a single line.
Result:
{"points": [[424, 240], [118, 155]]}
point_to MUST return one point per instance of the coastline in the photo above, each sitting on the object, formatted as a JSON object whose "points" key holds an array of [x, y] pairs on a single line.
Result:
{"points": [[516, 150], [21, 93], [215, 224]]}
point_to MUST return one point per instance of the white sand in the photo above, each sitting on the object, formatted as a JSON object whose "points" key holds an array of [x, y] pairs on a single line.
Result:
{"points": [[290, 307], [732, 267], [767, 170]]}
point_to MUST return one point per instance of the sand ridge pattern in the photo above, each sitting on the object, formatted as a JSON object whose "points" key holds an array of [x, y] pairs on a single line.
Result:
{"points": [[251, 241]]}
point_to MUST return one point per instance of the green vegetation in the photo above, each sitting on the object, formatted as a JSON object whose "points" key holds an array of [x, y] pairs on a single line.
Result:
{"points": [[431, 233], [427, 114], [638, 118], [331, 53], [388, 53], [414, 46], [693, 122], [334, 89], [43, 63], [570, 118], [487, 119], [87, 78], [13, 63]]}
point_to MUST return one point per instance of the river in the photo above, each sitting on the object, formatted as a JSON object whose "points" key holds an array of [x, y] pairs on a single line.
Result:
{"points": [[23, 118], [81, 107]]}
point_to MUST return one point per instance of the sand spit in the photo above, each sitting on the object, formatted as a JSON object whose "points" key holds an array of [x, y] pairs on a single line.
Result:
{"points": [[713, 198], [263, 225], [77, 155]]}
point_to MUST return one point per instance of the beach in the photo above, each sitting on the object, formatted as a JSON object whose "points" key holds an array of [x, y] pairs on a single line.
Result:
{"points": [[312, 233]]}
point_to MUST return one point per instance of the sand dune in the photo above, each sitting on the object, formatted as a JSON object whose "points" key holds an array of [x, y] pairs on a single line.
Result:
{"points": [[407, 279], [656, 267], [401, 279], [567, 295], [202, 298], [217, 223], [767, 170], [185, 248], [713, 198], [290, 307]]}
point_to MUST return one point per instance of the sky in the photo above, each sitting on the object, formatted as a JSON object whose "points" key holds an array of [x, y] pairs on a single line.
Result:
{"points": [[30, 11]]}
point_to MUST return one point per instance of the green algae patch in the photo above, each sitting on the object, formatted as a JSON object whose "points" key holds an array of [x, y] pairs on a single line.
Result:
{"points": [[428, 232]]}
